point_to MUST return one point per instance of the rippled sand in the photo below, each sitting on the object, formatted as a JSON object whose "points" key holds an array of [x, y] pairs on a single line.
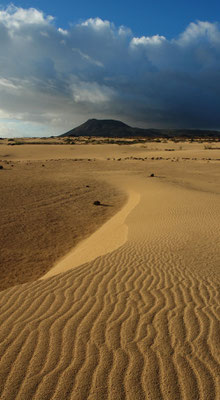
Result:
{"points": [[139, 321]]}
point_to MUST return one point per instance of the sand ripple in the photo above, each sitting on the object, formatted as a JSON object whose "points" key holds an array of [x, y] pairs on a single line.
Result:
{"points": [[141, 322]]}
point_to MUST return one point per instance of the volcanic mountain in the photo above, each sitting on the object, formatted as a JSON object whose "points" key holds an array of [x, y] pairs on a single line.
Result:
{"points": [[117, 129], [103, 128]]}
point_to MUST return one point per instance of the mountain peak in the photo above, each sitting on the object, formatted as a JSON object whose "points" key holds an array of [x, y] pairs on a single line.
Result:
{"points": [[102, 127], [116, 129]]}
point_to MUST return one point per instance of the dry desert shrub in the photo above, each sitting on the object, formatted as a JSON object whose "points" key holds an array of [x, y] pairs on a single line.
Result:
{"points": [[97, 203]]}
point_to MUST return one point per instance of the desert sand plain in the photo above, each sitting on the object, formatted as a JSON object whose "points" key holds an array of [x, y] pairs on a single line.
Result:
{"points": [[118, 301]]}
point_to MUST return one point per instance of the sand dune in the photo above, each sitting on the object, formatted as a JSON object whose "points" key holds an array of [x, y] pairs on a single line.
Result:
{"points": [[45, 212], [139, 322], [109, 237]]}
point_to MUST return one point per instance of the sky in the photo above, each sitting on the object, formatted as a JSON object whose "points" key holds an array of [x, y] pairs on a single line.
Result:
{"points": [[146, 63]]}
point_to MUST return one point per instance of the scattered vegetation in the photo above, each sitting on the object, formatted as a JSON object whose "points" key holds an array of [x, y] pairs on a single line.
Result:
{"points": [[69, 141], [13, 143], [209, 142], [97, 203], [210, 147]]}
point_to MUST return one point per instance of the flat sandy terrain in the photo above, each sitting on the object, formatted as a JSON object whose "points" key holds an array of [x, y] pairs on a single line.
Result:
{"points": [[127, 304]]}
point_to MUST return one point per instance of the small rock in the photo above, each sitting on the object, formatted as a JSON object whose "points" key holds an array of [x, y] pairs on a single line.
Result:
{"points": [[97, 203]]}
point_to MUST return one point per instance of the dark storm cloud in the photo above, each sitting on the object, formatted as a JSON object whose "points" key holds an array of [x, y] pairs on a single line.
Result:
{"points": [[60, 78]]}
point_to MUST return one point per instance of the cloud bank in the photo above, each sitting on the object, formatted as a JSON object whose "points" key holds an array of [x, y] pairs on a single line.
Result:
{"points": [[53, 79]]}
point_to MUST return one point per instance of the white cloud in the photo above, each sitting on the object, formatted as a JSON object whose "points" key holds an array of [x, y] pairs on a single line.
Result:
{"points": [[63, 31], [16, 17], [96, 23], [148, 40], [88, 58], [200, 32], [6, 83], [55, 78], [91, 92]]}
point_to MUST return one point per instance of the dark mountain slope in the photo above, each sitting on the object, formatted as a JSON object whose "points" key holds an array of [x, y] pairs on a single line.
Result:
{"points": [[112, 128]]}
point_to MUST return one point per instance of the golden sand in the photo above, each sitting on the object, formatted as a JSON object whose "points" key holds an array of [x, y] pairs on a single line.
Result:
{"points": [[137, 315], [45, 210]]}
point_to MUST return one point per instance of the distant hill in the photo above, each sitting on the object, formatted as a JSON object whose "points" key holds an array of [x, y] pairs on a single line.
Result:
{"points": [[117, 129], [102, 128]]}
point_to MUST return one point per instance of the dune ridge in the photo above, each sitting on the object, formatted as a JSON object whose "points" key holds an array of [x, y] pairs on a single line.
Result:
{"points": [[141, 322], [45, 212], [109, 237]]}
